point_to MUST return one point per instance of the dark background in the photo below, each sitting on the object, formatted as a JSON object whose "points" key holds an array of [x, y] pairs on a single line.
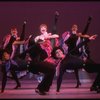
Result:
{"points": [[15, 12]]}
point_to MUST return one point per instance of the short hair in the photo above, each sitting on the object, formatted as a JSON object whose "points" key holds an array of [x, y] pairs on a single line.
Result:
{"points": [[53, 53], [13, 28], [74, 26], [2, 51], [43, 25]]}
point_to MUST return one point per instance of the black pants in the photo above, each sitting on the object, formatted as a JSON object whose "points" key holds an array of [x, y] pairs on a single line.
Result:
{"points": [[96, 81], [92, 67], [70, 62], [4, 76], [47, 69]]}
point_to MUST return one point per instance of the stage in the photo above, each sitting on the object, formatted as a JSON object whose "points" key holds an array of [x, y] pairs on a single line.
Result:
{"points": [[68, 90]]}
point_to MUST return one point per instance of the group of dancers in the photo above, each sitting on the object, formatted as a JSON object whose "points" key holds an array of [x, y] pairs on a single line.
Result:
{"points": [[39, 55]]}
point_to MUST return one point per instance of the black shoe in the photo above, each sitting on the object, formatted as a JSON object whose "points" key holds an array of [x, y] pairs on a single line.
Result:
{"points": [[78, 84], [93, 88], [40, 92], [17, 86]]}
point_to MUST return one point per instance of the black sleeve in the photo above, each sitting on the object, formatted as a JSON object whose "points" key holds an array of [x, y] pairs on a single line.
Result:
{"points": [[80, 45]]}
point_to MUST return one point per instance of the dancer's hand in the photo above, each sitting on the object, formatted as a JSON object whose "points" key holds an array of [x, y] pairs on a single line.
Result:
{"points": [[93, 37]]}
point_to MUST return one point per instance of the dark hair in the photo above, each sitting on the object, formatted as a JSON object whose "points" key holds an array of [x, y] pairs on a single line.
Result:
{"points": [[2, 51], [13, 28], [53, 53]]}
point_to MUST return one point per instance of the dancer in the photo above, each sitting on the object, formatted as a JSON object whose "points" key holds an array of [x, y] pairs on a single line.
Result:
{"points": [[68, 60]]}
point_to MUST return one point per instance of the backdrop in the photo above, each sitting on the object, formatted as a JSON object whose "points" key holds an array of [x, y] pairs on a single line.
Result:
{"points": [[70, 12]]}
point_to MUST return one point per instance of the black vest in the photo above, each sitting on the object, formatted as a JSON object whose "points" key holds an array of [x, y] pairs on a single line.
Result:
{"points": [[9, 45], [71, 42]]}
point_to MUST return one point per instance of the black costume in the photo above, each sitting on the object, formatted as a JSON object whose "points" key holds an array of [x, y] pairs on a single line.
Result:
{"points": [[75, 62], [38, 64], [71, 43], [92, 67], [11, 67], [69, 62]]}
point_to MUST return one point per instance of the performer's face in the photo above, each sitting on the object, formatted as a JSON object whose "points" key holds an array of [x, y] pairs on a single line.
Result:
{"points": [[74, 28], [6, 56], [59, 53], [43, 29], [14, 31]]}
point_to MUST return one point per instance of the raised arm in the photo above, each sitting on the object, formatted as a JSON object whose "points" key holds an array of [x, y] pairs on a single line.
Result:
{"points": [[93, 37]]}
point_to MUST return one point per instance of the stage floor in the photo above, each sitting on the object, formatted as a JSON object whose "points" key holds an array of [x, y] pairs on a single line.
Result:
{"points": [[68, 90]]}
